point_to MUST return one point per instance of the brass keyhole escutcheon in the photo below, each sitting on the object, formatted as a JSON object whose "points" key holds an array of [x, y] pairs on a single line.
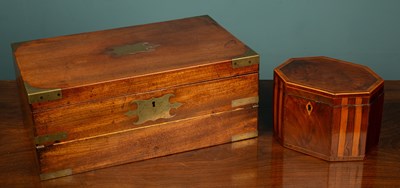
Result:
{"points": [[309, 108], [153, 109]]}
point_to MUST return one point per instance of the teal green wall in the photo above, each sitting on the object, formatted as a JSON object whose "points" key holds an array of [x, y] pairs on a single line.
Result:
{"points": [[362, 31]]}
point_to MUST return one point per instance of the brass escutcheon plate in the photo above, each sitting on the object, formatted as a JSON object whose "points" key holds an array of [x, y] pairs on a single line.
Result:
{"points": [[153, 109]]}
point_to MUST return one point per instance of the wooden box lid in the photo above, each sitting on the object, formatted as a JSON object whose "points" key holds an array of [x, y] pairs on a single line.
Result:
{"points": [[329, 76], [102, 64]]}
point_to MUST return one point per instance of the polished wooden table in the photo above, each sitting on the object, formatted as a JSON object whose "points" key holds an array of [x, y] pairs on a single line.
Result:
{"points": [[259, 162]]}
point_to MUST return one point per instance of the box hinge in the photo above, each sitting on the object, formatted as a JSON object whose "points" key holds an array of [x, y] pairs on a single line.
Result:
{"points": [[244, 136], [56, 174], [50, 138], [247, 59], [245, 101], [41, 95]]}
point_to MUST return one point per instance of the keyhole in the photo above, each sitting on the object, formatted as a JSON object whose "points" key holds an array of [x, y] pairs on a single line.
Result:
{"points": [[153, 103], [309, 108]]}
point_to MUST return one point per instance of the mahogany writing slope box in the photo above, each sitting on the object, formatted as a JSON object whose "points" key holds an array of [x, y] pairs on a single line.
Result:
{"points": [[327, 108], [110, 97]]}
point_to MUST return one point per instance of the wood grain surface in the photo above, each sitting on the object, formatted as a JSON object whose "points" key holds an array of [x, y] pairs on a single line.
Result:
{"points": [[148, 142], [260, 162], [184, 51], [329, 75], [180, 44], [107, 116], [327, 108]]}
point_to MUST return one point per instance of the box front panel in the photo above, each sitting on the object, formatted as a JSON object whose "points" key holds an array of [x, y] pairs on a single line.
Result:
{"points": [[141, 110], [143, 84], [148, 142], [307, 125]]}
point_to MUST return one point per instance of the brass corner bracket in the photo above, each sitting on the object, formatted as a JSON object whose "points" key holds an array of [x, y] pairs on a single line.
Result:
{"points": [[56, 174], [247, 59], [50, 138], [244, 101], [41, 95], [244, 136]]}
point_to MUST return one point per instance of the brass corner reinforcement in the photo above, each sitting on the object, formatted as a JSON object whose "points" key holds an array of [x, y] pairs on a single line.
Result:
{"points": [[50, 138], [247, 59], [41, 95], [56, 174], [244, 136], [244, 101]]}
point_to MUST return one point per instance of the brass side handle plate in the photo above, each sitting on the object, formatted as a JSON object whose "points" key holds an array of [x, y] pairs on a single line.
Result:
{"points": [[153, 109]]}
